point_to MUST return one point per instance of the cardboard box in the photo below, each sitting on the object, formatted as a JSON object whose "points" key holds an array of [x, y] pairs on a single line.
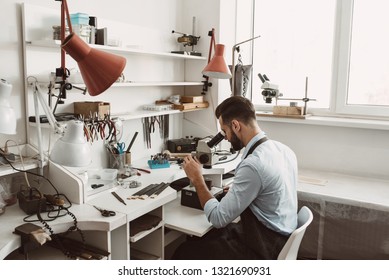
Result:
{"points": [[192, 99], [87, 108]]}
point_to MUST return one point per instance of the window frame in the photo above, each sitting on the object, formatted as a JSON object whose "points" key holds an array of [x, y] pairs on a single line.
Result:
{"points": [[340, 72]]}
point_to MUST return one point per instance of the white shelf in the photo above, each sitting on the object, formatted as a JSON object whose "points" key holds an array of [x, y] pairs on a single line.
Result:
{"points": [[144, 233], [57, 43], [134, 115], [139, 255], [151, 84], [146, 113], [27, 152], [155, 84]]}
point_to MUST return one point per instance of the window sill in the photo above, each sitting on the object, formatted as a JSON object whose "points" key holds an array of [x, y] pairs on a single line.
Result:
{"points": [[329, 121]]}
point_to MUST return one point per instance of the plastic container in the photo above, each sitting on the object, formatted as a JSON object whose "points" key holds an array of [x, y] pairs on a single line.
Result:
{"points": [[109, 174], [106, 174], [79, 19]]}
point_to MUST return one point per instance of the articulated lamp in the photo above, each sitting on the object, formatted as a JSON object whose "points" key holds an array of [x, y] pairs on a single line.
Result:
{"points": [[217, 66], [71, 149], [99, 71], [7, 113]]}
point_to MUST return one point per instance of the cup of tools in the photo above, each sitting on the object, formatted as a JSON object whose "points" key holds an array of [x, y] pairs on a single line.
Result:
{"points": [[117, 161]]}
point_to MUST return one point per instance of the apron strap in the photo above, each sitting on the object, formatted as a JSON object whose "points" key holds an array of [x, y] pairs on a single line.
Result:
{"points": [[256, 144]]}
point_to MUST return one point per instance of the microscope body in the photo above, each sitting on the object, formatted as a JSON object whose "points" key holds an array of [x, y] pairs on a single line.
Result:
{"points": [[205, 154], [206, 151], [270, 91]]}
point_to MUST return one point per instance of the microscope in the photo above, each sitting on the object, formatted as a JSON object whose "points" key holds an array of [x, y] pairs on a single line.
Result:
{"points": [[206, 150], [270, 90], [188, 40], [206, 154]]}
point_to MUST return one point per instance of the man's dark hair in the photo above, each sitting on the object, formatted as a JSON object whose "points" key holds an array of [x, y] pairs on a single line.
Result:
{"points": [[236, 107]]}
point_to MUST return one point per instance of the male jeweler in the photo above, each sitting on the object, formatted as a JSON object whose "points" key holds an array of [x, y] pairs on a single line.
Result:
{"points": [[263, 193]]}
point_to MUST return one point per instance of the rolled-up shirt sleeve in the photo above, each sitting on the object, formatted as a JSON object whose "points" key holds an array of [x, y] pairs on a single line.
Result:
{"points": [[243, 191]]}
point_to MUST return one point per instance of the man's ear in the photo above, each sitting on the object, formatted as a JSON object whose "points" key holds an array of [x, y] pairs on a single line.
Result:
{"points": [[235, 125]]}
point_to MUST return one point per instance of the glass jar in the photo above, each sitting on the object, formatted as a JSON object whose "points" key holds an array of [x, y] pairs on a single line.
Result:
{"points": [[57, 32]]}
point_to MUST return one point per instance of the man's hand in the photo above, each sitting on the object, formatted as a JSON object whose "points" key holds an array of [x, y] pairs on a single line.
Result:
{"points": [[192, 168], [194, 172]]}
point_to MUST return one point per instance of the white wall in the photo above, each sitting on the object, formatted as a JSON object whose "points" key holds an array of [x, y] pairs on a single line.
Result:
{"points": [[355, 151], [11, 63]]}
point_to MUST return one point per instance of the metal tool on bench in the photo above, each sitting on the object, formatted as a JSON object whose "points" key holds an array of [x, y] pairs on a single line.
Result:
{"points": [[118, 198], [152, 191], [159, 190], [105, 213]]}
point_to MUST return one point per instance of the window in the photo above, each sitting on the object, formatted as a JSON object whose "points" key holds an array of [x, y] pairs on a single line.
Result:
{"points": [[340, 46], [296, 42], [364, 87]]}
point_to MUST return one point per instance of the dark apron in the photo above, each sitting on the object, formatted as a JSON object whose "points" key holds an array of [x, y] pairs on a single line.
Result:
{"points": [[248, 239]]}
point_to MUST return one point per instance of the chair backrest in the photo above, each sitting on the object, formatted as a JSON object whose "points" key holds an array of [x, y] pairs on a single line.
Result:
{"points": [[291, 247]]}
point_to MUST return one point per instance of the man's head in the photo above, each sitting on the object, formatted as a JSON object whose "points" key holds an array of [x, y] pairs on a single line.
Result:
{"points": [[237, 119]]}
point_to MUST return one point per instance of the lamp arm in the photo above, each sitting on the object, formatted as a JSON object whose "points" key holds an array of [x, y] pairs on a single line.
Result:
{"points": [[66, 13], [234, 48], [55, 125], [211, 45], [65, 18], [38, 98]]}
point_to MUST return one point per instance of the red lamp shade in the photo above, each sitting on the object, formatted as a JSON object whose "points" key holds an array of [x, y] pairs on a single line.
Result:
{"points": [[217, 67], [99, 69]]}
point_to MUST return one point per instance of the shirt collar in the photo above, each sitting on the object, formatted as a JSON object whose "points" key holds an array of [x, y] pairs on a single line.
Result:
{"points": [[253, 140]]}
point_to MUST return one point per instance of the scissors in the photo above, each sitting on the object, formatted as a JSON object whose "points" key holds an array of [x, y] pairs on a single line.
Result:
{"points": [[120, 147], [105, 213]]}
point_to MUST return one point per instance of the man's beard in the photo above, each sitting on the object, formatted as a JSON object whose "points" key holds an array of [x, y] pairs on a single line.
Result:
{"points": [[235, 142]]}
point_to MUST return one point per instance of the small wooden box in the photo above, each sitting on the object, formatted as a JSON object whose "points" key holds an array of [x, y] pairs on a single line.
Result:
{"points": [[89, 108], [287, 110], [190, 106], [192, 99]]}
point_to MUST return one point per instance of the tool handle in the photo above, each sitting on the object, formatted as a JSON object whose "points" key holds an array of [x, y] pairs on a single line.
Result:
{"points": [[118, 198], [132, 142]]}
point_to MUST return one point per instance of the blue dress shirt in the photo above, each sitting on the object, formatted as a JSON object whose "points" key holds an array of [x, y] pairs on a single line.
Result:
{"points": [[266, 182]]}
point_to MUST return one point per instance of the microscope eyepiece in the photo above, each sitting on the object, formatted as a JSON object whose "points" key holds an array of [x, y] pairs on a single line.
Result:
{"points": [[216, 140]]}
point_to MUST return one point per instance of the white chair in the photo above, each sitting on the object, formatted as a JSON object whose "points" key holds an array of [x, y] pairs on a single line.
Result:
{"points": [[291, 247]]}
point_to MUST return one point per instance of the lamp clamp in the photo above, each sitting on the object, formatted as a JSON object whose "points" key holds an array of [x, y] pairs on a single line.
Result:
{"points": [[206, 84]]}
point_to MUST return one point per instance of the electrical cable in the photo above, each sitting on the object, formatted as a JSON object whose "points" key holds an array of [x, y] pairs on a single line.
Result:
{"points": [[60, 207], [225, 161], [20, 156]]}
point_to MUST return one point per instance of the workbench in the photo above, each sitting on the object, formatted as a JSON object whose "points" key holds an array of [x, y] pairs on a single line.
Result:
{"points": [[350, 216]]}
